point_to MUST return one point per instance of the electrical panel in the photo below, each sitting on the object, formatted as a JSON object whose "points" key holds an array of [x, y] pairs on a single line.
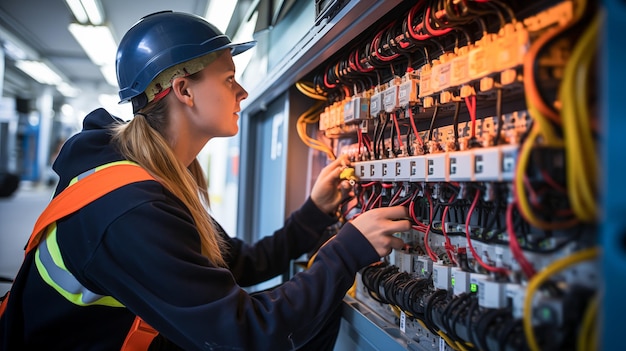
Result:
{"points": [[478, 116]]}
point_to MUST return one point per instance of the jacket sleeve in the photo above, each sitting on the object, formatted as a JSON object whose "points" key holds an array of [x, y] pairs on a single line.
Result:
{"points": [[149, 260], [254, 263]]}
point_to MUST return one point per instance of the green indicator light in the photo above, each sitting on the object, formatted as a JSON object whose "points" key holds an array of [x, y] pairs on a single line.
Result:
{"points": [[473, 288], [546, 314], [452, 281], [423, 271]]}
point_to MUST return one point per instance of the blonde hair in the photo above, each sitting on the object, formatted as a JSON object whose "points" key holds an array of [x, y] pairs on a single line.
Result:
{"points": [[141, 140]]}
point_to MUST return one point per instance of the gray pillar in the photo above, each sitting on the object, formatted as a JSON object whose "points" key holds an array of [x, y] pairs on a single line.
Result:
{"points": [[44, 106]]}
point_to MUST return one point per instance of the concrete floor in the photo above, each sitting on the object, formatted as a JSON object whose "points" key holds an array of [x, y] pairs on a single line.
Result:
{"points": [[18, 214]]}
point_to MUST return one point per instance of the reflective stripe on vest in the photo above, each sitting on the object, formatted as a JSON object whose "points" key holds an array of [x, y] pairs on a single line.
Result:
{"points": [[52, 270]]}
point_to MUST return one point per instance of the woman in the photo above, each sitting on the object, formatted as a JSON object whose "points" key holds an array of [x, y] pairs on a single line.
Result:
{"points": [[150, 249]]}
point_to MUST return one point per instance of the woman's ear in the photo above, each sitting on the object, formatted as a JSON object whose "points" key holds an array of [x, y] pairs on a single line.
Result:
{"points": [[182, 90]]}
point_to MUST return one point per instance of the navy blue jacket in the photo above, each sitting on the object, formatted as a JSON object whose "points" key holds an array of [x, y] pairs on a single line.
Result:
{"points": [[139, 245]]}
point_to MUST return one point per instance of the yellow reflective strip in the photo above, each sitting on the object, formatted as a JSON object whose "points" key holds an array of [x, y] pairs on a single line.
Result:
{"points": [[107, 165], [75, 298], [101, 167], [53, 247]]}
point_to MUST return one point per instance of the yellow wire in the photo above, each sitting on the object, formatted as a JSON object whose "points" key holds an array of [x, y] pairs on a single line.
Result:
{"points": [[460, 346], [453, 345], [581, 159], [310, 91], [538, 279], [448, 341], [309, 117], [586, 335]]}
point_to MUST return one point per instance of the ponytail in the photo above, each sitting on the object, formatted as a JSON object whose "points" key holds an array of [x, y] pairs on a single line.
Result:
{"points": [[141, 141]]}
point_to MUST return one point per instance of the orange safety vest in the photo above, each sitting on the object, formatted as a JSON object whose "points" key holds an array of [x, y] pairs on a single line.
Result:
{"points": [[93, 186]]}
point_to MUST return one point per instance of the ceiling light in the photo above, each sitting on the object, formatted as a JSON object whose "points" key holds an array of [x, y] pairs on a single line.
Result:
{"points": [[39, 71], [219, 13], [67, 90], [94, 11], [14, 51], [97, 41], [86, 11], [77, 9]]}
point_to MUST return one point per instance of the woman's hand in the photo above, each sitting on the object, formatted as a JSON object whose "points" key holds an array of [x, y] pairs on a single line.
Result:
{"points": [[379, 225], [329, 190]]}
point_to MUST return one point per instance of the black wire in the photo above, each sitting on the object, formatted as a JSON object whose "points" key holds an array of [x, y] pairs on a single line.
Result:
{"points": [[457, 109], [377, 127], [432, 122], [381, 137], [499, 116]]}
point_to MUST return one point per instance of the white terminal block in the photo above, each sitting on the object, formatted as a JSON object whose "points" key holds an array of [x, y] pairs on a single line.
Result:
{"points": [[390, 98], [437, 167], [360, 169], [407, 263], [376, 170], [389, 170], [376, 104], [516, 294], [461, 165], [460, 281], [487, 164], [441, 73], [508, 161], [417, 166], [441, 276], [459, 70], [407, 92], [361, 107], [402, 169], [425, 74], [491, 294], [348, 110], [394, 258], [422, 265]]}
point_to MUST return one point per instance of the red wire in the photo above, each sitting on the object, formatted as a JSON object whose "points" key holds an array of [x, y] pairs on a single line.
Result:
{"points": [[367, 204], [552, 182], [430, 252], [351, 63], [377, 39], [414, 31], [526, 266], [448, 244], [367, 142], [397, 125], [469, 240], [412, 211], [326, 83], [430, 29], [470, 101], [358, 64], [418, 137], [360, 139], [395, 196], [532, 194]]}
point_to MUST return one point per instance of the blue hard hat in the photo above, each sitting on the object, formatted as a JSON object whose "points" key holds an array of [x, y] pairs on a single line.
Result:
{"points": [[162, 40]]}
